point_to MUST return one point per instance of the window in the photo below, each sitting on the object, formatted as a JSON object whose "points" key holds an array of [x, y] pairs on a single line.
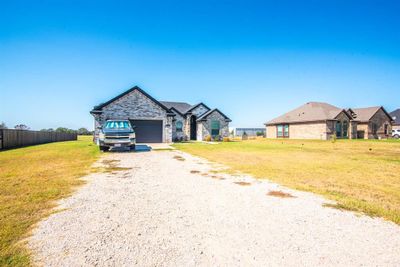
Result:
{"points": [[117, 125], [214, 128], [338, 129], [345, 128], [282, 130], [179, 126], [386, 129]]}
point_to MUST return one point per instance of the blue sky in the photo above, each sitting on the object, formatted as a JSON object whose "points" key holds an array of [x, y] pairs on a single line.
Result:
{"points": [[252, 59]]}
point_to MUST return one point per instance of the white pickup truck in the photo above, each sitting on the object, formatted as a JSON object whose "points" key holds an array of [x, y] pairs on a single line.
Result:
{"points": [[116, 133]]}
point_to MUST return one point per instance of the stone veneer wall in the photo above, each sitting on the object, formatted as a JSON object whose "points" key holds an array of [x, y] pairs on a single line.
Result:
{"points": [[204, 127], [180, 135], [200, 110], [136, 106]]}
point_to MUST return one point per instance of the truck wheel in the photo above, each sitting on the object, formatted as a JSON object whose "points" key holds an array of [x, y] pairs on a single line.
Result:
{"points": [[396, 136], [104, 148], [132, 147]]}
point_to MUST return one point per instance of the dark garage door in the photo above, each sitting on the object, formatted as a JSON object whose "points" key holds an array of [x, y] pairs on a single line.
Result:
{"points": [[148, 131]]}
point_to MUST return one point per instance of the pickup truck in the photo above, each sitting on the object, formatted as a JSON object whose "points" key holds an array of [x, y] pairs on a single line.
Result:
{"points": [[116, 133]]}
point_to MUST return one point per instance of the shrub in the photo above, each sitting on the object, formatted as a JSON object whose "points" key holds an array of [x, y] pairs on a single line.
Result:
{"points": [[207, 138], [245, 136], [217, 138], [226, 139], [333, 138]]}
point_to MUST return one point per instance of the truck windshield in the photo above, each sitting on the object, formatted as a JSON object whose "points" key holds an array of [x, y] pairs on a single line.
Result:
{"points": [[117, 125]]}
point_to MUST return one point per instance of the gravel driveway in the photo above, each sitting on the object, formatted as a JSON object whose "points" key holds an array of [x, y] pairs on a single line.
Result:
{"points": [[167, 208]]}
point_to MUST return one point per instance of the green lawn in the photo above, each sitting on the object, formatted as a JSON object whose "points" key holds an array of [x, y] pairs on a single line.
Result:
{"points": [[31, 179], [361, 175]]}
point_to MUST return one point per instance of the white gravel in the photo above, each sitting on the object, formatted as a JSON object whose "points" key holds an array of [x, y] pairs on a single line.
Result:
{"points": [[158, 213]]}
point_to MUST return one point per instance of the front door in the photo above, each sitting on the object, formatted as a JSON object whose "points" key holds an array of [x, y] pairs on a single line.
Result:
{"points": [[193, 128]]}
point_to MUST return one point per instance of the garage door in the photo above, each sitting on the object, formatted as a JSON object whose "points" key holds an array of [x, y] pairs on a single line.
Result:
{"points": [[148, 131]]}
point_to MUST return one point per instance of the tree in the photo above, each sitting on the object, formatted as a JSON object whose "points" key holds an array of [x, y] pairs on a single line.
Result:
{"points": [[3, 125], [47, 130], [84, 131], [21, 127], [65, 130]]}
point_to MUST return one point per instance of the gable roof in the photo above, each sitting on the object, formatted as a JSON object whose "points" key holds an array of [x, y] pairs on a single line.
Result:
{"points": [[365, 114], [195, 106], [98, 108], [309, 112], [396, 116], [205, 115], [180, 107]]}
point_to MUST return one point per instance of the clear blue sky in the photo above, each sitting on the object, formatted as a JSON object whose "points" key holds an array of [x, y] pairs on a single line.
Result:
{"points": [[252, 59]]}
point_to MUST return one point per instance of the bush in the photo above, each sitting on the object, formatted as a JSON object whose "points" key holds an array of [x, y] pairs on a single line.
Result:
{"points": [[226, 139], [245, 136], [333, 138], [207, 138], [260, 133]]}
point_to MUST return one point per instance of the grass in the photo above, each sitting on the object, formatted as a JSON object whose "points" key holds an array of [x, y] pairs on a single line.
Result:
{"points": [[31, 179], [361, 175]]}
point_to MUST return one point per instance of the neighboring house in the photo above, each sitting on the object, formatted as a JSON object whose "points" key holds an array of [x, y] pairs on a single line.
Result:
{"points": [[313, 120], [372, 122], [160, 121], [249, 131], [396, 119]]}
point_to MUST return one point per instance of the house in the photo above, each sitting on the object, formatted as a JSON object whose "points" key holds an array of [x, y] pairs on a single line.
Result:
{"points": [[313, 120], [160, 121], [249, 131], [396, 119], [372, 122]]}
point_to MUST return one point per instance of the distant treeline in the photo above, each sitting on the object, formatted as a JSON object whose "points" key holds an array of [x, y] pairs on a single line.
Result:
{"points": [[80, 131]]}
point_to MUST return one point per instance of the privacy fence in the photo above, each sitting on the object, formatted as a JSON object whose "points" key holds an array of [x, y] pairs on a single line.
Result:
{"points": [[10, 138]]}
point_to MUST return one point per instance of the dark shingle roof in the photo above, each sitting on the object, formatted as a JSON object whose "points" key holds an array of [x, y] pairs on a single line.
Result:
{"points": [[312, 111], [179, 106], [396, 116]]}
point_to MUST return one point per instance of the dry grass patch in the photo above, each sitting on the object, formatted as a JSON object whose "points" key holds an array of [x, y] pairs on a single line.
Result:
{"points": [[279, 194], [194, 171], [179, 158], [242, 183], [31, 180], [360, 175]]}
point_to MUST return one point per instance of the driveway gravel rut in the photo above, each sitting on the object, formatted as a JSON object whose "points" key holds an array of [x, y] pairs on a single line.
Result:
{"points": [[169, 208]]}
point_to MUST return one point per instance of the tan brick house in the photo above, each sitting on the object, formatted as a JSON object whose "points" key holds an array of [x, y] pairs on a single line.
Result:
{"points": [[313, 120], [372, 122]]}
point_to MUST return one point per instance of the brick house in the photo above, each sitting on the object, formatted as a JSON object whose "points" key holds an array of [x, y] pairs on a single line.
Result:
{"points": [[313, 120], [160, 121], [372, 122], [396, 119]]}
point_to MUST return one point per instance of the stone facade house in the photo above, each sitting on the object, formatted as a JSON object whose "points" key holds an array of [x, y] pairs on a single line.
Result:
{"points": [[396, 119], [313, 120], [372, 122], [161, 121]]}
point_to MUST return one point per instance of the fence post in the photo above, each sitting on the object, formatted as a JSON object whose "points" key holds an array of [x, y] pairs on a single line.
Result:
{"points": [[1, 139]]}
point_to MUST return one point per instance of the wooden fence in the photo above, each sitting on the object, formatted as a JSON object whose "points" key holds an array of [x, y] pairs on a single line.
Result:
{"points": [[11, 138]]}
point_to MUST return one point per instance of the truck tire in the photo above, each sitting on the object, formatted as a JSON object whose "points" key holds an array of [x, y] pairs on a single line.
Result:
{"points": [[104, 148], [396, 136]]}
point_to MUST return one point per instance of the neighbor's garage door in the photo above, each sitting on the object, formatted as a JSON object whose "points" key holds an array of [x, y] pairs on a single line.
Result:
{"points": [[148, 131]]}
